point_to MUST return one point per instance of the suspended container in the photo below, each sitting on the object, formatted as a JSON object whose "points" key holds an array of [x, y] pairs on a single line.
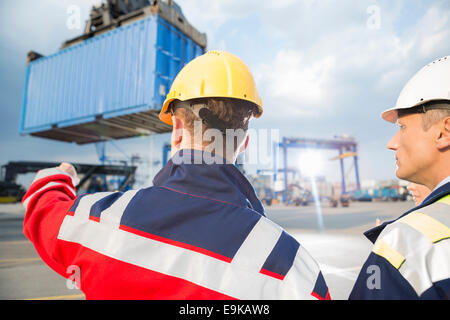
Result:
{"points": [[109, 83]]}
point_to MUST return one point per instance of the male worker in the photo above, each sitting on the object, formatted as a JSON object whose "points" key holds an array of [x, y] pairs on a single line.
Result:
{"points": [[200, 232], [411, 255]]}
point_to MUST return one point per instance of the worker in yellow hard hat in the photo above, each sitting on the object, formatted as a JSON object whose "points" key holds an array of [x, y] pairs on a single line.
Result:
{"points": [[218, 90], [199, 232]]}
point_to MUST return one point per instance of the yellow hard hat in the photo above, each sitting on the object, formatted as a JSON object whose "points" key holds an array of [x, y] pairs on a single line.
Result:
{"points": [[216, 74]]}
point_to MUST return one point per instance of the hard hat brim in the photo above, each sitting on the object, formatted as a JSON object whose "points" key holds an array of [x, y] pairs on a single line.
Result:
{"points": [[166, 117], [391, 115]]}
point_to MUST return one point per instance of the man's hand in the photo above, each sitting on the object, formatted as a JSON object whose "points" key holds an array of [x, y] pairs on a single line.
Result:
{"points": [[70, 169]]}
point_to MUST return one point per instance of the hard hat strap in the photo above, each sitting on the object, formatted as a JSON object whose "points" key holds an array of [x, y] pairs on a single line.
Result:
{"points": [[202, 112], [431, 105]]}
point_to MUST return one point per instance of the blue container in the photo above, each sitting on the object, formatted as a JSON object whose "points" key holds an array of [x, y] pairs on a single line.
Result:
{"points": [[110, 86]]}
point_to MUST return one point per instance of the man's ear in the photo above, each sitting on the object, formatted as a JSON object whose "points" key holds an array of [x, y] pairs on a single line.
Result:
{"points": [[443, 142], [177, 131]]}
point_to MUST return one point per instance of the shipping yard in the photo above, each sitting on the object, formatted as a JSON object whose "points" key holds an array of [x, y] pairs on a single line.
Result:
{"points": [[321, 169]]}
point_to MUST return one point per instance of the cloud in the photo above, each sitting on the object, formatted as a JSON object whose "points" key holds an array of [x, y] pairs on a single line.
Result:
{"points": [[42, 25], [215, 13], [353, 60], [433, 31], [293, 81]]}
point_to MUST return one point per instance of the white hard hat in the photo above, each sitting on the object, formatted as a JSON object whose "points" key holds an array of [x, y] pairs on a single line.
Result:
{"points": [[431, 83]]}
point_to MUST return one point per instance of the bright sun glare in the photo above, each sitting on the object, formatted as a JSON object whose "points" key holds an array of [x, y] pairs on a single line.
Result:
{"points": [[311, 163]]}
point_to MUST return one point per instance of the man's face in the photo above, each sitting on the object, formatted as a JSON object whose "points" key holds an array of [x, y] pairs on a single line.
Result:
{"points": [[414, 148]]}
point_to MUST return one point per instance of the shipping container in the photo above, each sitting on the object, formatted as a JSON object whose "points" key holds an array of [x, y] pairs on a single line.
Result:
{"points": [[109, 86]]}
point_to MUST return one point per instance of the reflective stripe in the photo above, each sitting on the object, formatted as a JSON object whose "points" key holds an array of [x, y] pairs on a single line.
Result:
{"points": [[48, 186], [431, 228], [384, 250], [301, 277], [438, 211], [257, 246], [413, 246], [240, 278], [84, 206], [232, 279], [50, 172], [114, 213], [439, 268], [416, 237]]}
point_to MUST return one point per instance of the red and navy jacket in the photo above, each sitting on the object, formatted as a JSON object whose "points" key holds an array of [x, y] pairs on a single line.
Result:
{"points": [[410, 258], [199, 232]]}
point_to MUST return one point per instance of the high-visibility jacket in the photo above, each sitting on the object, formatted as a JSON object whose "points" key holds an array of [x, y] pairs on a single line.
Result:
{"points": [[411, 255], [199, 233]]}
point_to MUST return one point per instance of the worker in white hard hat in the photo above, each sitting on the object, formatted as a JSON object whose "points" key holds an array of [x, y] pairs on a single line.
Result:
{"points": [[199, 232], [410, 258]]}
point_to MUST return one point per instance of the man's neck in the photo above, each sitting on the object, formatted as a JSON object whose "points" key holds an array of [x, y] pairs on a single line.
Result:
{"points": [[442, 182], [231, 159]]}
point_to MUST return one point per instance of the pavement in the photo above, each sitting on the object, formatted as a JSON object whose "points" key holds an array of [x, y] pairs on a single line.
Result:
{"points": [[23, 275], [339, 247]]}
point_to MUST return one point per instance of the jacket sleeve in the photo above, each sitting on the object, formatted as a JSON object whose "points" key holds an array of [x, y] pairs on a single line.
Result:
{"points": [[379, 279], [48, 200]]}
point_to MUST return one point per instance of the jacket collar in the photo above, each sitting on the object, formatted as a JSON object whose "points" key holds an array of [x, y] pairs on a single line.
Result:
{"points": [[205, 175], [434, 196]]}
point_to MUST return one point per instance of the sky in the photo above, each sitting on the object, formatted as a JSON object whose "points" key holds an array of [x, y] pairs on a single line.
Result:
{"points": [[322, 67]]}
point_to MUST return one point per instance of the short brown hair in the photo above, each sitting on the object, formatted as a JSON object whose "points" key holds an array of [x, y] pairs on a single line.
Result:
{"points": [[216, 113], [233, 113], [432, 112], [433, 116]]}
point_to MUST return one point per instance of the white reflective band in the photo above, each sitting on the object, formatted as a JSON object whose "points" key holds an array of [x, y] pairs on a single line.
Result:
{"points": [[303, 274], [420, 239], [384, 250], [50, 185], [50, 172], [113, 215], [431, 228], [258, 245], [231, 279], [84, 206], [438, 261]]}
